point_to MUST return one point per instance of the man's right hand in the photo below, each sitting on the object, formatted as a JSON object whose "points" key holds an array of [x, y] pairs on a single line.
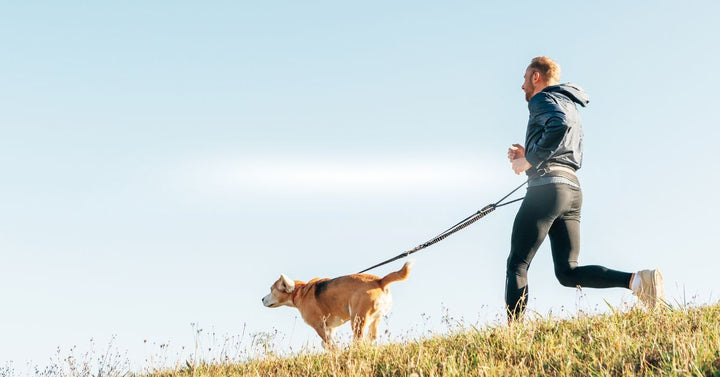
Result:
{"points": [[515, 152]]}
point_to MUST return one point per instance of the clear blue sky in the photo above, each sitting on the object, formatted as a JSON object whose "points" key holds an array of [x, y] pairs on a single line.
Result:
{"points": [[162, 163]]}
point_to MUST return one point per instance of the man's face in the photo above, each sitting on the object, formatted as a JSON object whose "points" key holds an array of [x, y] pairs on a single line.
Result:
{"points": [[528, 87]]}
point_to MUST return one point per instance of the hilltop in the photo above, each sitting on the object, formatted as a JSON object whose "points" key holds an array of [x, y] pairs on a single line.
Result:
{"points": [[668, 342]]}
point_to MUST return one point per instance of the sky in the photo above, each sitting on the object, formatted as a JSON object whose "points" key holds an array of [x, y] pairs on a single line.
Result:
{"points": [[162, 163]]}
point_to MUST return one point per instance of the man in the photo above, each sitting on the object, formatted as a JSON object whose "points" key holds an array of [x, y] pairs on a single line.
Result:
{"points": [[550, 157]]}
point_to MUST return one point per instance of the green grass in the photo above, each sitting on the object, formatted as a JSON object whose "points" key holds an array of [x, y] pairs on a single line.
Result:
{"points": [[670, 342]]}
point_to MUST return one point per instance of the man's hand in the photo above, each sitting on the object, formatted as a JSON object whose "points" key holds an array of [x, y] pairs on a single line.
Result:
{"points": [[519, 165], [516, 155], [515, 152]]}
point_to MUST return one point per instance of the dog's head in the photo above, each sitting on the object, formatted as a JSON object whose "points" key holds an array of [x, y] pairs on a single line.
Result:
{"points": [[281, 293]]}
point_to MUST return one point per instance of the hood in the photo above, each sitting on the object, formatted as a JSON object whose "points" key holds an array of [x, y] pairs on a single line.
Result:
{"points": [[572, 91]]}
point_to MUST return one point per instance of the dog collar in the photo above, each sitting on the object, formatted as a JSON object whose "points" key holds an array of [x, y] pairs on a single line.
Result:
{"points": [[295, 293]]}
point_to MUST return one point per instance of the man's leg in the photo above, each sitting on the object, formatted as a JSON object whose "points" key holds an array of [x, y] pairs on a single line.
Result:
{"points": [[565, 243], [532, 222]]}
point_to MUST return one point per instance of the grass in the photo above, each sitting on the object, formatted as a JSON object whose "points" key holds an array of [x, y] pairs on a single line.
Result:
{"points": [[670, 342]]}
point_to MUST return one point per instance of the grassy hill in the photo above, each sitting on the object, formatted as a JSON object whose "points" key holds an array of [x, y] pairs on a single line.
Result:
{"points": [[669, 342]]}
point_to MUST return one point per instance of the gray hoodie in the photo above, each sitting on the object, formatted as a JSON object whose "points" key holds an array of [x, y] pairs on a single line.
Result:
{"points": [[554, 133]]}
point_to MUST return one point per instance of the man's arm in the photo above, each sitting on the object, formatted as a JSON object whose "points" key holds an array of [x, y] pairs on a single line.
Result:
{"points": [[555, 127]]}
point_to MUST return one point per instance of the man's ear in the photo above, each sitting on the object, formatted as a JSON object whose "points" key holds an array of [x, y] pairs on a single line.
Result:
{"points": [[536, 77], [286, 284]]}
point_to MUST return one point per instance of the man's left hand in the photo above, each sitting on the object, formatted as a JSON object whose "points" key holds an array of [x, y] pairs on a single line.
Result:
{"points": [[520, 165]]}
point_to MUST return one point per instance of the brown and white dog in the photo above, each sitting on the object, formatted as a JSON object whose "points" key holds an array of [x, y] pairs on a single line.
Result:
{"points": [[328, 303]]}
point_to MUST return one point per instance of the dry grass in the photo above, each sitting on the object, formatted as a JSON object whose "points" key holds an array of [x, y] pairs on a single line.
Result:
{"points": [[675, 342], [670, 342]]}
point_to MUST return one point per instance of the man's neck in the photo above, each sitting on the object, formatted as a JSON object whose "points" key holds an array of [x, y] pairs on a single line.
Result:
{"points": [[539, 88]]}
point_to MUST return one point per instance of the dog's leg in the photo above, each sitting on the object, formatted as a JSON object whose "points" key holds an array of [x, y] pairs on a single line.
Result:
{"points": [[326, 334], [331, 345], [358, 325], [374, 328]]}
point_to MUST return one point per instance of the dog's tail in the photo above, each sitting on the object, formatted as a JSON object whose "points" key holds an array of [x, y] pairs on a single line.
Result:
{"points": [[399, 275]]}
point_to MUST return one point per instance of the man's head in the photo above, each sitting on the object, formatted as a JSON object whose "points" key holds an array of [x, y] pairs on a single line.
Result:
{"points": [[541, 72]]}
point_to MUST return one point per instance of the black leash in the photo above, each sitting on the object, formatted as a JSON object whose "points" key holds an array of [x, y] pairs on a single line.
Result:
{"points": [[459, 226]]}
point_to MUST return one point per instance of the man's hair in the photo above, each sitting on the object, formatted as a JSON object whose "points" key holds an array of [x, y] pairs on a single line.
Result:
{"points": [[548, 69]]}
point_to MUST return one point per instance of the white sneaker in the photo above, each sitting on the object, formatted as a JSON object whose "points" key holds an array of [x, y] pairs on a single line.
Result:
{"points": [[651, 289]]}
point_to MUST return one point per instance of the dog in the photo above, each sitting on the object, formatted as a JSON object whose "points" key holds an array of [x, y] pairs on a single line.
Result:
{"points": [[326, 304]]}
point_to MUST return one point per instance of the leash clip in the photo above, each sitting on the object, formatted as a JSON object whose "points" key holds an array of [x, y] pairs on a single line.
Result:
{"points": [[543, 171]]}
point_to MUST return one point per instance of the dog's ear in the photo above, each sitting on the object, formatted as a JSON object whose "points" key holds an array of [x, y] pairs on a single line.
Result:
{"points": [[286, 284]]}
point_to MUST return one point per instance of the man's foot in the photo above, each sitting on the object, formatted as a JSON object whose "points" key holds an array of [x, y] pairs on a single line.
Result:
{"points": [[650, 289]]}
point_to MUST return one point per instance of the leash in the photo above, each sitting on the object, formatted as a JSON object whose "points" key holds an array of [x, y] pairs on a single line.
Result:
{"points": [[455, 228]]}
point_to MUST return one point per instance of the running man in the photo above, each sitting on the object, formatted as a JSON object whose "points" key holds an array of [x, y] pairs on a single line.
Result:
{"points": [[551, 155]]}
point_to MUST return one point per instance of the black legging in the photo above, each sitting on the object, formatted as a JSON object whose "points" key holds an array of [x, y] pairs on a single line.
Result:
{"points": [[552, 209]]}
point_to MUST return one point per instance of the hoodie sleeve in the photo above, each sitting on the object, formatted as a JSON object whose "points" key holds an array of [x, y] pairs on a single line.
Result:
{"points": [[547, 114]]}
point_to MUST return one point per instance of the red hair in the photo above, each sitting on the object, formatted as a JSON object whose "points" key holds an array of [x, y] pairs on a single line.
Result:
{"points": [[548, 69]]}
